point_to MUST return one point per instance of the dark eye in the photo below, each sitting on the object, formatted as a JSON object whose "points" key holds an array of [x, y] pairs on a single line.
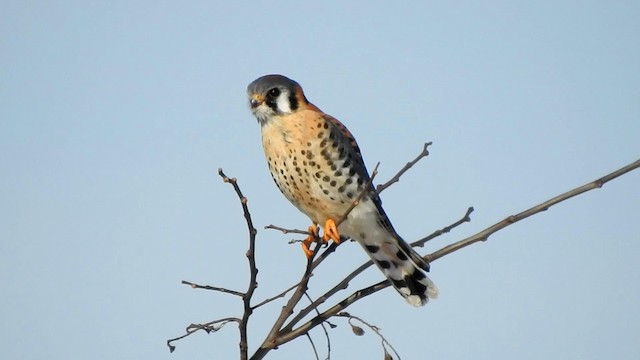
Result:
{"points": [[274, 92]]}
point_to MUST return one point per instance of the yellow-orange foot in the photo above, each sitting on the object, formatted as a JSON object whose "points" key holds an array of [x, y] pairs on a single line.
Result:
{"points": [[331, 232], [311, 238]]}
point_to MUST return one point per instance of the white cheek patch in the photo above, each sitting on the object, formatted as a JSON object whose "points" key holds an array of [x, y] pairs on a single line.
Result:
{"points": [[283, 102]]}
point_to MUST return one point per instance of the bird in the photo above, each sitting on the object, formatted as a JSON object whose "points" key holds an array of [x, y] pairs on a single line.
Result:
{"points": [[317, 165]]}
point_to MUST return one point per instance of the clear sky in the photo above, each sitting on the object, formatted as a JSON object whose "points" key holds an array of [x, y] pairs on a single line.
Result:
{"points": [[115, 116]]}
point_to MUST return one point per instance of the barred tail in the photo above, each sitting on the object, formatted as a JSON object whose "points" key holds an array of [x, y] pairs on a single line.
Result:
{"points": [[404, 268]]}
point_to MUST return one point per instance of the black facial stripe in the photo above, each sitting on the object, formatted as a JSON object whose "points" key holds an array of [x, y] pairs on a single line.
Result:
{"points": [[293, 101]]}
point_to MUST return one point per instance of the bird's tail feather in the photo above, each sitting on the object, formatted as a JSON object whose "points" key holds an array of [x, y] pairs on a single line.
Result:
{"points": [[405, 269]]}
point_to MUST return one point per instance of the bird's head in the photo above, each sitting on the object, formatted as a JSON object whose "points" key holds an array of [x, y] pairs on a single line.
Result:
{"points": [[274, 95]]}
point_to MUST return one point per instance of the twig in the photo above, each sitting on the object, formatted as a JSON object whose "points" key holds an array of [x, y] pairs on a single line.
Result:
{"points": [[326, 334], [211, 326], [484, 234], [313, 346], [374, 328], [213, 288], [425, 152], [287, 231], [282, 294], [246, 298], [444, 230]]}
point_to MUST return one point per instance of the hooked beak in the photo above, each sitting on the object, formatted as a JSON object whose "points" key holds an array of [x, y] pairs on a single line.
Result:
{"points": [[256, 100]]}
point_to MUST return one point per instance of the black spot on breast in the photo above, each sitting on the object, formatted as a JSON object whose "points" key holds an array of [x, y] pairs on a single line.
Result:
{"points": [[342, 153], [350, 195], [341, 188], [333, 183], [326, 192], [338, 173], [326, 178], [372, 248], [326, 125], [384, 264]]}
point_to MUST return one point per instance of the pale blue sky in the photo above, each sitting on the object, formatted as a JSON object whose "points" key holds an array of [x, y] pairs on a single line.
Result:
{"points": [[115, 116]]}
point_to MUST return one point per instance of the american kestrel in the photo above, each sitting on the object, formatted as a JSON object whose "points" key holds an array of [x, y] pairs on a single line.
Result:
{"points": [[317, 165]]}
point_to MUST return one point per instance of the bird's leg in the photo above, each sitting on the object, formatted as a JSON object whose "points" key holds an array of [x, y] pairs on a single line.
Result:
{"points": [[331, 232], [311, 238]]}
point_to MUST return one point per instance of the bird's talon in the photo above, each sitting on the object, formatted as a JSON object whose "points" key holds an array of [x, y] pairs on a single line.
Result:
{"points": [[331, 232], [311, 238], [305, 248]]}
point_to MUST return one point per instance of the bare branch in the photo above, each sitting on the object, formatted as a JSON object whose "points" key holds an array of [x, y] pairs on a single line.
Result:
{"points": [[287, 310], [374, 328], [282, 294], [484, 234], [313, 346], [253, 270], [444, 230], [213, 288], [211, 326], [326, 334], [425, 152], [287, 231]]}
